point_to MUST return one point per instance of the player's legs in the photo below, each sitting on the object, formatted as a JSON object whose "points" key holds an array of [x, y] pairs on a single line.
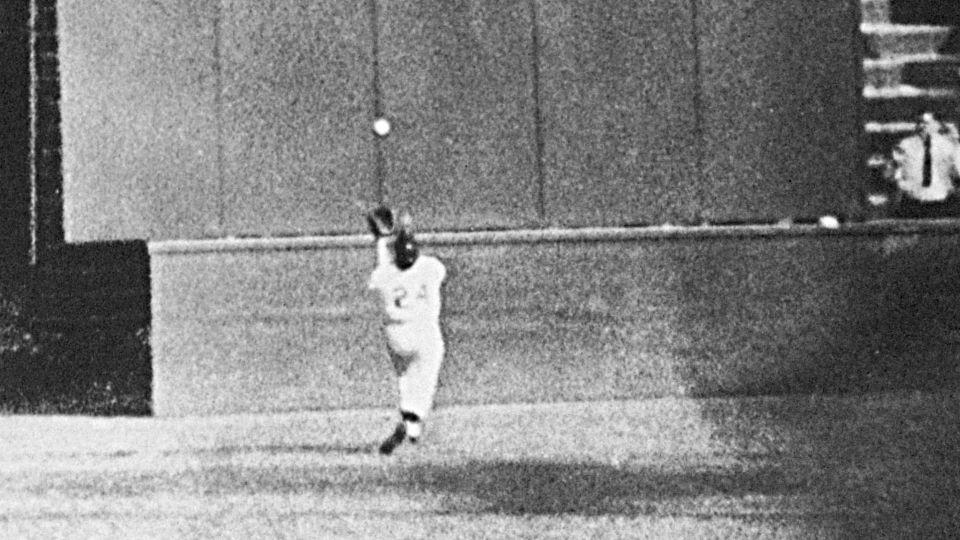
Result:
{"points": [[394, 440], [417, 376], [418, 384], [412, 424], [400, 363]]}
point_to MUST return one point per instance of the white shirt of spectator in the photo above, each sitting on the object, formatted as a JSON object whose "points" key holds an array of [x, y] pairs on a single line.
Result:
{"points": [[908, 157]]}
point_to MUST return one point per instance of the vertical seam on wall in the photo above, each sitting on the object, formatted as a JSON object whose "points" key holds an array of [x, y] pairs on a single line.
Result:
{"points": [[218, 118], [537, 111], [379, 164], [698, 120], [32, 151]]}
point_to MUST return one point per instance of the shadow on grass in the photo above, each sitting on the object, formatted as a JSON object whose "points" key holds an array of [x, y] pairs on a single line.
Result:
{"points": [[888, 464], [858, 472], [488, 487], [551, 488], [279, 449]]}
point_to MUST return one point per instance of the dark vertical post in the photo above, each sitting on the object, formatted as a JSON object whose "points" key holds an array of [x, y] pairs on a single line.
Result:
{"points": [[698, 121], [15, 135], [537, 112], [47, 142], [221, 225], [377, 93]]}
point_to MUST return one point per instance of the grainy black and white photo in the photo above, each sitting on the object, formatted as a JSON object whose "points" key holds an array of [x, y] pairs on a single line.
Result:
{"points": [[303, 269]]}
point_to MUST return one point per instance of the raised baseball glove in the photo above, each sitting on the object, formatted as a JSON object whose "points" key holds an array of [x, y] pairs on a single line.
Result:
{"points": [[381, 221]]}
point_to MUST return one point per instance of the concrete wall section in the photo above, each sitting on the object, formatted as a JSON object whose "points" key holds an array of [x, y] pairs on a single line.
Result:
{"points": [[458, 84], [246, 118], [139, 119], [296, 99], [810, 312], [780, 109], [618, 92]]}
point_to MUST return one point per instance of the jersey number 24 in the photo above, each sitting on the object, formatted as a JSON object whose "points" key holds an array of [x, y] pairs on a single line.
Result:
{"points": [[400, 295]]}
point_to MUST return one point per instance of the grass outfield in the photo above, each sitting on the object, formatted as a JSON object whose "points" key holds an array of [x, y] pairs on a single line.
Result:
{"points": [[876, 465]]}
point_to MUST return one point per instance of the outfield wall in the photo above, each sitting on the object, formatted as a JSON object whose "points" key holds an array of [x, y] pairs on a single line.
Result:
{"points": [[590, 314], [187, 124], [191, 120]]}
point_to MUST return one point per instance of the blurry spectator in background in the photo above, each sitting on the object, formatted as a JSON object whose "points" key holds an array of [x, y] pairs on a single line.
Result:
{"points": [[926, 170]]}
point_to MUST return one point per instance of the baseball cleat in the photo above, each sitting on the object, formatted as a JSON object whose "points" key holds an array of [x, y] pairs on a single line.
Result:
{"points": [[394, 440]]}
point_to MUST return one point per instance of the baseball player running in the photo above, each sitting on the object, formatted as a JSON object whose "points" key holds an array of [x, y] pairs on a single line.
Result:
{"points": [[408, 289]]}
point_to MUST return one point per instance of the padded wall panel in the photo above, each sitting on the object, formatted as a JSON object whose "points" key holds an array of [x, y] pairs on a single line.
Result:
{"points": [[265, 331], [618, 91], [295, 329], [297, 108], [457, 82], [139, 119]]}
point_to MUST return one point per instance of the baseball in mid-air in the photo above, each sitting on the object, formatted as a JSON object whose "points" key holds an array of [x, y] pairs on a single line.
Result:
{"points": [[381, 126]]}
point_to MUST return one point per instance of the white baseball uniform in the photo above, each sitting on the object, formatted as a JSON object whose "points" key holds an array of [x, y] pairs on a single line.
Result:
{"points": [[410, 302]]}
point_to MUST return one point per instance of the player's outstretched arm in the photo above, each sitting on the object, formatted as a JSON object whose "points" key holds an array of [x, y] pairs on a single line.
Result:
{"points": [[382, 223], [384, 253]]}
